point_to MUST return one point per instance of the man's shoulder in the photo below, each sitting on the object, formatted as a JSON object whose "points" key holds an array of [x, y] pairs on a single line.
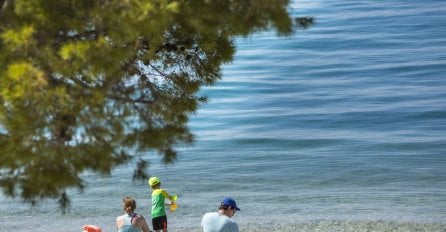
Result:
{"points": [[211, 217], [215, 216], [210, 214], [214, 221]]}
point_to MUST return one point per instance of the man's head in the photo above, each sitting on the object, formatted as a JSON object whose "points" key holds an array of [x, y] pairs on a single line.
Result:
{"points": [[228, 206]]}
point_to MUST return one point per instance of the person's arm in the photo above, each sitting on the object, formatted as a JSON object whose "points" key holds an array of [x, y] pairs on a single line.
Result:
{"points": [[141, 223], [119, 222], [145, 227], [234, 226], [167, 195], [236, 229], [205, 221]]}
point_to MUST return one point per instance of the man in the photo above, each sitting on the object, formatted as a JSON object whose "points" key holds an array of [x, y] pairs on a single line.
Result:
{"points": [[221, 221]]}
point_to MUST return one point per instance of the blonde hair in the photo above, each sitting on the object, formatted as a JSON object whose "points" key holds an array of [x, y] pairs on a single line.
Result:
{"points": [[129, 204]]}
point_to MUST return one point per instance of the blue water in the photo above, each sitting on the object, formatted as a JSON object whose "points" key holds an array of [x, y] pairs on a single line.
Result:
{"points": [[340, 127]]}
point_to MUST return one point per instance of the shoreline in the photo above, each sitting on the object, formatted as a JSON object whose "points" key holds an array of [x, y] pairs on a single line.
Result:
{"points": [[332, 225], [182, 223]]}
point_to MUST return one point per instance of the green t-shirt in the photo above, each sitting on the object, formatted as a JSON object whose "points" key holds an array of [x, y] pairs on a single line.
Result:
{"points": [[158, 199]]}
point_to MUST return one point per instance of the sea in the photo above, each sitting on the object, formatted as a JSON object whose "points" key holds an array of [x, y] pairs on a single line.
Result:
{"points": [[338, 127]]}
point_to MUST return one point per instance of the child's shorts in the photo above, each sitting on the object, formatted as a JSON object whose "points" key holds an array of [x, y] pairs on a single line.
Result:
{"points": [[159, 223]]}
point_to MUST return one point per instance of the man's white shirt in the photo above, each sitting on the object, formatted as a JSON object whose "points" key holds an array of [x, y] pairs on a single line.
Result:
{"points": [[216, 222]]}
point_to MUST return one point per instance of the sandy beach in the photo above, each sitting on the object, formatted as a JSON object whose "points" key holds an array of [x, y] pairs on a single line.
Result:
{"points": [[331, 226]]}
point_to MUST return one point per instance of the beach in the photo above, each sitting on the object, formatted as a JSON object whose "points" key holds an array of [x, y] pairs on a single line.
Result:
{"points": [[331, 226], [310, 226], [339, 127]]}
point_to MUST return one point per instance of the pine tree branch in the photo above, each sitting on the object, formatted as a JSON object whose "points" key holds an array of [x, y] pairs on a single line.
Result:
{"points": [[2, 3]]}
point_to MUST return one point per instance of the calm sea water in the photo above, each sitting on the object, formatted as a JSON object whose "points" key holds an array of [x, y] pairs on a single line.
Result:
{"points": [[341, 127]]}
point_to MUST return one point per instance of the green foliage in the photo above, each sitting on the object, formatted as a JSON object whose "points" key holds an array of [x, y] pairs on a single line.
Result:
{"points": [[83, 82]]}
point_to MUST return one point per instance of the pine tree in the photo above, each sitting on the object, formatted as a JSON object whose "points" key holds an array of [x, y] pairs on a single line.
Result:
{"points": [[86, 85]]}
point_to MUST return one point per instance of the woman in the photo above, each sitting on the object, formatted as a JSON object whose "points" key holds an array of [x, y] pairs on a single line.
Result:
{"points": [[131, 221]]}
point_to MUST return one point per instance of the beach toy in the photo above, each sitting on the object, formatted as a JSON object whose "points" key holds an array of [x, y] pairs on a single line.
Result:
{"points": [[91, 228], [173, 207]]}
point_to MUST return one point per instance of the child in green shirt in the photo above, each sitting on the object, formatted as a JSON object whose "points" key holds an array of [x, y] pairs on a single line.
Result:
{"points": [[159, 219]]}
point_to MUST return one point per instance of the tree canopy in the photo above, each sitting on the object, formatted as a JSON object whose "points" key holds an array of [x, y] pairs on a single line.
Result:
{"points": [[86, 85]]}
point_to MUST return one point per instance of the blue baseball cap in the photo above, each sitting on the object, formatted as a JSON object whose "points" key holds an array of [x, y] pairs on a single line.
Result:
{"points": [[230, 202]]}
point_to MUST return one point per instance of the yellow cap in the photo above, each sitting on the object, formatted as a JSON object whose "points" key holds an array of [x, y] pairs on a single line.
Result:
{"points": [[154, 181]]}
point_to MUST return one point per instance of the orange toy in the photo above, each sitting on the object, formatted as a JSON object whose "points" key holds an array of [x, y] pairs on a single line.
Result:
{"points": [[91, 228]]}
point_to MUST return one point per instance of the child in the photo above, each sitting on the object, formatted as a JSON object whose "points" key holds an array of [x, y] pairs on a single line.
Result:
{"points": [[159, 219], [130, 221]]}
